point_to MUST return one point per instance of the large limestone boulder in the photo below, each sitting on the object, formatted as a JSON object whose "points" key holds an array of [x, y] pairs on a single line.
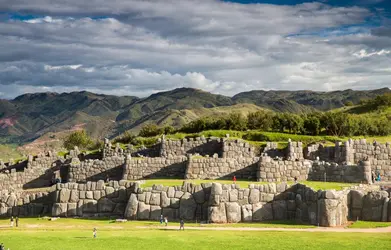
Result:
{"points": [[74, 197], [155, 199], [12, 200], [72, 209], [64, 195], [156, 211], [373, 205], [131, 208], [280, 210], [90, 206], [187, 207], [247, 213], [199, 194], [356, 203], [59, 209], [165, 201], [233, 212], [262, 211], [217, 214], [143, 211], [105, 205], [254, 196]]}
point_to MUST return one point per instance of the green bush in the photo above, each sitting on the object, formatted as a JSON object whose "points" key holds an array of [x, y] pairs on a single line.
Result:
{"points": [[79, 139]]}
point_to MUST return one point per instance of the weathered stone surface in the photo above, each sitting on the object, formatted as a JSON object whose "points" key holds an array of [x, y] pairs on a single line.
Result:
{"points": [[59, 209], [254, 196], [143, 211], [165, 201], [72, 209], [280, 210], [247, 213], [131, 208], [178, 194], [233, 195], [74, 197], [199, 194], [171, 213], [174, 203], [171, 192], [187, 207], [156, 211], [217, 189], [89, 195], [233, 212], [262, 211], [109, 190], [217, 214], [155, 199], [79, 210], [373, 205], [385, 209], [105, 205], [100, 185], [64, 195], [90, 206], [356, 197]]}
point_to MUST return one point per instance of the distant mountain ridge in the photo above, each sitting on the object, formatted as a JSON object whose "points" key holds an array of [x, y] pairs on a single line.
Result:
{"points": [[30, 116]]}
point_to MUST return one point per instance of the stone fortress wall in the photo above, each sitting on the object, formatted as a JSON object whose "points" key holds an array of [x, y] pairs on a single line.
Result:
{"points": [[86, 193], [343, 162], [208, 202]]}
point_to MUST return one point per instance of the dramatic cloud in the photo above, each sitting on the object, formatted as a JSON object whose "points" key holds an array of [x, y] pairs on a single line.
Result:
{"points": [[141, 47]]}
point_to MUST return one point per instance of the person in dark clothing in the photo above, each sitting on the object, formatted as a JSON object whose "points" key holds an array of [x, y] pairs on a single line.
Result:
{"points": [[182, 225], [17, 221]]}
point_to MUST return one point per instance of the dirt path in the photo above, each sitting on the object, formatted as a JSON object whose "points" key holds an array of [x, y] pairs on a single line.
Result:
{"points": [[317, 229]]}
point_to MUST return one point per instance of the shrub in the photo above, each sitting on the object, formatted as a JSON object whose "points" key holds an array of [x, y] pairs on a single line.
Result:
{"points": [[79, 139]]}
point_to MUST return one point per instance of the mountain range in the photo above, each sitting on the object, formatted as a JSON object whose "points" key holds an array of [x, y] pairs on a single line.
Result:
{"points": [[30, 116]]}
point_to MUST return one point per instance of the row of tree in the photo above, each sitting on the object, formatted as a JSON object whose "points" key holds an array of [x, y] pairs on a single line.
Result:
{"points": [[329, 123]]}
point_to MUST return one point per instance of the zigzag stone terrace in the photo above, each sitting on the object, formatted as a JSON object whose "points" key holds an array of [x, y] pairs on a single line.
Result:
{"points": [[85, 191]]}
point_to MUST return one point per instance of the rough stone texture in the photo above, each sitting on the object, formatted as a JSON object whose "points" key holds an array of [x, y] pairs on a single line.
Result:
{"points": [[373, 205], [131, 207], [187, 207], [233, 212], [173, 167]]}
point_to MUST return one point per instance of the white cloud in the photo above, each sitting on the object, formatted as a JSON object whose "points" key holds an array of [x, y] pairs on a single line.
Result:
{"points": [[140, 47]]}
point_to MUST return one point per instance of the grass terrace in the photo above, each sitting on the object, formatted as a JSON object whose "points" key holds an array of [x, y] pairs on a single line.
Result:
{"points": [[244, 184], [77, 234]]}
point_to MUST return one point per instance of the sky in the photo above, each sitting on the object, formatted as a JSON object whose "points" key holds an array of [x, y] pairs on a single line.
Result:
{"points": [[140, 47]]}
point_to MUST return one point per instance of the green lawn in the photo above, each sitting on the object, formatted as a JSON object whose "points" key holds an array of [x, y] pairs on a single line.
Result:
{"points": [[244, 184], [106, 224], [369, 224], [161, 239]]}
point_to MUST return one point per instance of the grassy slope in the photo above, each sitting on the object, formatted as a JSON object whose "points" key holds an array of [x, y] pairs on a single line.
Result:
{"points": [[244, 184], [77, 234], [8, 151]]}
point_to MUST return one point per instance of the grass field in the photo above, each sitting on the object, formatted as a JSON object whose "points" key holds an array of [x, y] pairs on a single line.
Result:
{"points": [[369, 224], [244, 184], [77, 234]]}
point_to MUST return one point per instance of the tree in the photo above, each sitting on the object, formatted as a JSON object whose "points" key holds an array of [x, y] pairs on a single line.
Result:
{"points": [[348, 103], [79, 139], [312, 124], [126, 138], [150, 130], [168, 130], [262, 120], [236, 121]]}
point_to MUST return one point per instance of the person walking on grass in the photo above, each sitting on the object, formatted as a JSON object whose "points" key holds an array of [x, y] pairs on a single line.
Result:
{"points": [[12, 221], [166, 220], [17, 221], [94, 232], [161, 219], [182, 224], [234, 179]]}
